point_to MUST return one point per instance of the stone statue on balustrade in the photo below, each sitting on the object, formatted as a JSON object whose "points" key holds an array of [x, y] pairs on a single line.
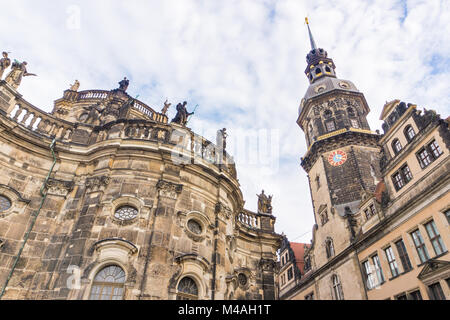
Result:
{"points": [[182, 114], [264, 203], [5, 62], [75, 86], [123, 85], [221, 139], [18, 71], [166, 107]]}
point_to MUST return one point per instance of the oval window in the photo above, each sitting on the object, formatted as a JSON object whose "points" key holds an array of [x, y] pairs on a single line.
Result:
{"points": [[5, 203]]}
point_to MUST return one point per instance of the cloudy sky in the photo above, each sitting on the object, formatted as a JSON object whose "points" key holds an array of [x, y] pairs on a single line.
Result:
{"points": [[242, 62]]}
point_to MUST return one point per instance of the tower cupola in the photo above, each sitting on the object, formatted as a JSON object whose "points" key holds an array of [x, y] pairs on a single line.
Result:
{"points": [[319, 65]]}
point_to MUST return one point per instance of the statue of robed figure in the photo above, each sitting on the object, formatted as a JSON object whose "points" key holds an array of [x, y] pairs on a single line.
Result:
{"points": [[18, 71], [264, 203], [5, 62], [182, 114]]}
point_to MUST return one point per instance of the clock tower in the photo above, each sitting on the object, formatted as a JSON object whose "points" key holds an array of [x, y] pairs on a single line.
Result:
{"points": [[342, 159]]}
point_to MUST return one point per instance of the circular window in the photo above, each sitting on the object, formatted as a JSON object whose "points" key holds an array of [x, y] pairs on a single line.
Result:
{"points": [[83, 117], [344, 85], [5, 203], [194, 227], [319, 88], [126, 213], [242, 278]]}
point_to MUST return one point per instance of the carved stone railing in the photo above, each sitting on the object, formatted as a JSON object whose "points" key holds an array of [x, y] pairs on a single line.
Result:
{"points": [[152, 114], [193, 146], [249, 219], [36, 120], [92, 94], [98, 95]]}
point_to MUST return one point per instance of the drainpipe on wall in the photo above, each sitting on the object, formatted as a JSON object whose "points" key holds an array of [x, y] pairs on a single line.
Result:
{"points": [[216, 234], [34, 218]]}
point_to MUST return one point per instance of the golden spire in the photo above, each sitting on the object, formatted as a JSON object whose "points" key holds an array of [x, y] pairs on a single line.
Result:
{"points": [[311, 39]]}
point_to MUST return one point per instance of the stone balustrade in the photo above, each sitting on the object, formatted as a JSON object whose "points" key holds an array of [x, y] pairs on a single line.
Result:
{"points": [[92, 94], [249, 219], [40, 122], [97, 95], [183, 140]]}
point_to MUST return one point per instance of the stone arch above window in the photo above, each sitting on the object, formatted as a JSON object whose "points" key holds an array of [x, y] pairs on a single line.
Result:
{"points": [[11, 201], [195, 267], [126, 210], [196, 224], [107, 252]]}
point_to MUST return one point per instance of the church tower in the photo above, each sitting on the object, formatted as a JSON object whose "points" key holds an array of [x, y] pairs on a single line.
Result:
{"points": [[342, 159]]}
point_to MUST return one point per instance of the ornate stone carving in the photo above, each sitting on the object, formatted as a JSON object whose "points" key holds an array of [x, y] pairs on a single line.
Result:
{"points": [[59, 187], [169, 189], [95, 111], [231, 247], [95, 183], [267, 265], [223, 210]]}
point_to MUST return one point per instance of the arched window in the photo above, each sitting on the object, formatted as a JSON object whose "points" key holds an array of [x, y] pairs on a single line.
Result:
{"points": [[396, 146], [318, 71], [355, 123], [350, 111], [108, 284], [409, 133], [187, 289], [337, 288], [329, 247], [330, 125]]}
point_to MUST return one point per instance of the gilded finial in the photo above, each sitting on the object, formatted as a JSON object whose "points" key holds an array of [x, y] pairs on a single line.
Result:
{"points": [[306, 20]]}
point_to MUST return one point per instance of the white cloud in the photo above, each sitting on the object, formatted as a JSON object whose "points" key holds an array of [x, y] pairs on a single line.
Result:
{"points": [[241, 61]]}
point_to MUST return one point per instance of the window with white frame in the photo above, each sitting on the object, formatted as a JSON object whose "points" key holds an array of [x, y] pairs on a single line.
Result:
{"points": [[378, 270], [391, 260], [108, 284]]}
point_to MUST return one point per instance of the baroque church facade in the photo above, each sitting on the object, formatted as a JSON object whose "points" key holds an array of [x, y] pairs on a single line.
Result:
{"points": [[381, 201], [103, 198]]}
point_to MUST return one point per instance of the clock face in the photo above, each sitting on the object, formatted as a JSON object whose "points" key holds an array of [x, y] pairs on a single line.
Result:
{"points": [[337, 158]]}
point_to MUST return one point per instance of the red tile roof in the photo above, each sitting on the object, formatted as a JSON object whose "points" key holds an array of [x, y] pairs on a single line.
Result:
{"points": [[299, 253], [381, 187]]}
